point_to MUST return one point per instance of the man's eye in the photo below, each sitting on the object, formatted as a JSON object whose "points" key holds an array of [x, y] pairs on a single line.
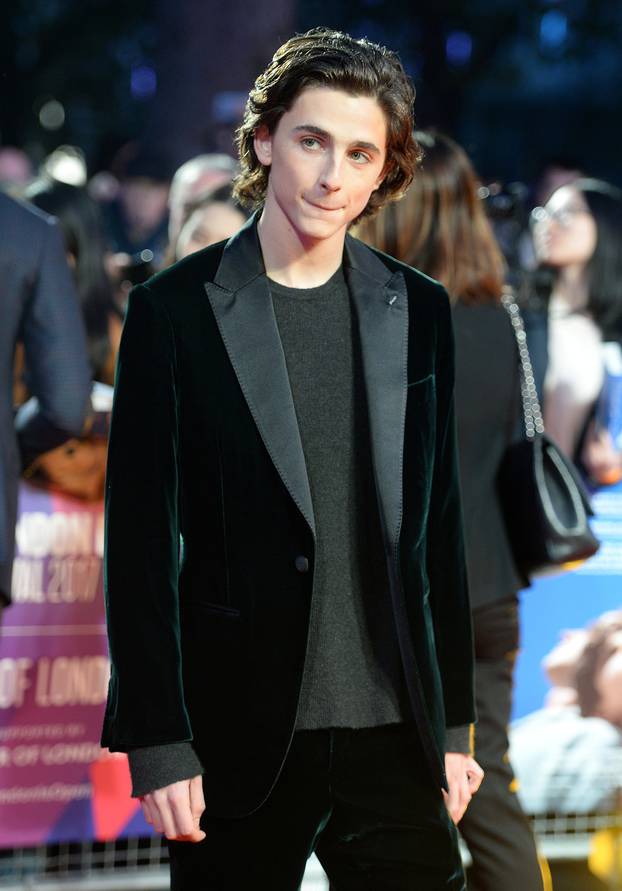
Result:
{"points": [[359, 156], [310, 142]]}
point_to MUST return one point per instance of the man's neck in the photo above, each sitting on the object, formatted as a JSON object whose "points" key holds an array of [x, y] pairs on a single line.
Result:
{"points": [[293, 261]]}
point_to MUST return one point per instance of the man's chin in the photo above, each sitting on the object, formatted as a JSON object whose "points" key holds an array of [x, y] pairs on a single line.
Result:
{"points": [[312, 228]]}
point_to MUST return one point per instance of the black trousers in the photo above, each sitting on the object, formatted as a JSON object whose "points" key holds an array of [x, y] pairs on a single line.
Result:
{"points": [[494, 827], [363, 800]]}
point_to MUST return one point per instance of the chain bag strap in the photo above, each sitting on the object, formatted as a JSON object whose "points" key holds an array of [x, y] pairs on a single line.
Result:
{"points": [[543, 498], [532, 413]]}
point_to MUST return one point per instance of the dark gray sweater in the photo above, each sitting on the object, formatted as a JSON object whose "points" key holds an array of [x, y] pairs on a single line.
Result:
{"points": [[353, 675]]}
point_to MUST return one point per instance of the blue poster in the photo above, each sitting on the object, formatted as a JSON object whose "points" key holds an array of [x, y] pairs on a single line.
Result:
{"points": [[566, 738]]}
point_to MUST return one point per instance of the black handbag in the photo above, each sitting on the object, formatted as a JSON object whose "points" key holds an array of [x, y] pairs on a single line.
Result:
{"points": [[545, 504]]}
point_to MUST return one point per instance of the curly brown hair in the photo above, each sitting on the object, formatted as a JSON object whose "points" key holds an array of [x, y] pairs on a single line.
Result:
{"points": [[322, 57]]}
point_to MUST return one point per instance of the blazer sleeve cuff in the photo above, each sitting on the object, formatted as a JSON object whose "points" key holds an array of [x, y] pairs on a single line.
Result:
{"points": [[460, 739], [153, 767]]}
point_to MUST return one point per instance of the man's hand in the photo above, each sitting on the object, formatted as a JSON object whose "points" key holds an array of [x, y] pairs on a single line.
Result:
{"points": [[176, 810], [464, 777]]}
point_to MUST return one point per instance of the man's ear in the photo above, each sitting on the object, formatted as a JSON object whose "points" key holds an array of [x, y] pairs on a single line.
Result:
{"points": [[263, 145]]}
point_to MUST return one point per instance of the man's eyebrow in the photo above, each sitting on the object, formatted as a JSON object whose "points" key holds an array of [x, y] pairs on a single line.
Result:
{"points": [[312, 128]]}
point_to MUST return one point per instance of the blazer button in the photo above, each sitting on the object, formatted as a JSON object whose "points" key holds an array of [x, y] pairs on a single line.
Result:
{"points": [[302, 564]]}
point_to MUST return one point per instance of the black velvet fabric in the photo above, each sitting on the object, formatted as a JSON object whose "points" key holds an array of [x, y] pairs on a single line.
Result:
{"points": [[208, 641], [363, 800]]}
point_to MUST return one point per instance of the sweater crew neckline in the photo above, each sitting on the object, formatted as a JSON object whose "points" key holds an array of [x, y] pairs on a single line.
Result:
{"points": [[335, 282]]}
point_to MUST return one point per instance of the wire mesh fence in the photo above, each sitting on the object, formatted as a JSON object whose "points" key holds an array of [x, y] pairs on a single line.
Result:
{"points": [[142, 863], [122, 865], [85, 864]]}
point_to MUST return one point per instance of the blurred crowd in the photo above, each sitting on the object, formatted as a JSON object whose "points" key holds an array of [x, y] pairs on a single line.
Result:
{"points": [[558, 243], [118, 229], [554, 243]]}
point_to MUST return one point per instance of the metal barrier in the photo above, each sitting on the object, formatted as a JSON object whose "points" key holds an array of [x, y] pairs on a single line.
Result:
{"points": [[138, 864], [141, 864]]}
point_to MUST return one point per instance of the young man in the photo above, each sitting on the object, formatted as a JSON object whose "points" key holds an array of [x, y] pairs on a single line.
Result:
{"points": [[284, 406]]}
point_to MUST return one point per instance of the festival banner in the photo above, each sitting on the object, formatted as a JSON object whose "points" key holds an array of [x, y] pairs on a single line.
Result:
{"points": [[56, 783], [569, 600], [566, 737]]}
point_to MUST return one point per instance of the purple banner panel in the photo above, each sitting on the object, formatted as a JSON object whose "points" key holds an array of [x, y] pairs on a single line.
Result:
{"points": [[56, 783]]}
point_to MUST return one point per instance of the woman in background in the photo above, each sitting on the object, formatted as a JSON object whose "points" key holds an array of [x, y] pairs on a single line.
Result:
{"points": [[577, 236], [440, 228]]}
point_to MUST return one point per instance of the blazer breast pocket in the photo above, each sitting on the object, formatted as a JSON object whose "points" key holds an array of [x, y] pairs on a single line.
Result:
{"points": [[421, 404], [428, 380], [421, 435]]}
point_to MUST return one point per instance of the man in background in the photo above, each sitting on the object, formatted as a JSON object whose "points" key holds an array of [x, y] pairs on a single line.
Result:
{"points": [[196, 178], [38, 307]]}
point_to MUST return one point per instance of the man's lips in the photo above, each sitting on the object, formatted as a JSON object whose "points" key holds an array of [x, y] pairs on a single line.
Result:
{"points": [[322, 206]]}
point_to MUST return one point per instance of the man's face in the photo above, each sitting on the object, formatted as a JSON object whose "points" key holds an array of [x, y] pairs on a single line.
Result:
{"points": [[326, 156]]}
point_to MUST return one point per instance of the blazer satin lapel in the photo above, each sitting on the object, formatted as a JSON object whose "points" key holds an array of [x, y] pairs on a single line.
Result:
{"points": [[248, 327], [382, 310]]}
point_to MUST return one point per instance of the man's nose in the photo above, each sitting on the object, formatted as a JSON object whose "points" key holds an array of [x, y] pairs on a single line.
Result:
{"points": [[330, 178]]}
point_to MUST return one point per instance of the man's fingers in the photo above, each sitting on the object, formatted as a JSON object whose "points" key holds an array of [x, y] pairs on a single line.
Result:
{"points": [[144, 803], [464, 777], [475, 776], [197, 835], [197, 800], [451, 805], [465, 800], [459, 810], [163, 813], [186, 824], [152, 812], [175, 810], [457, 800], [452, 798]]}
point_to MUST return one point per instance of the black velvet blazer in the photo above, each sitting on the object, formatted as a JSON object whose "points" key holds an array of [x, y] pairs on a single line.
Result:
{"points": [[208, 640]]}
